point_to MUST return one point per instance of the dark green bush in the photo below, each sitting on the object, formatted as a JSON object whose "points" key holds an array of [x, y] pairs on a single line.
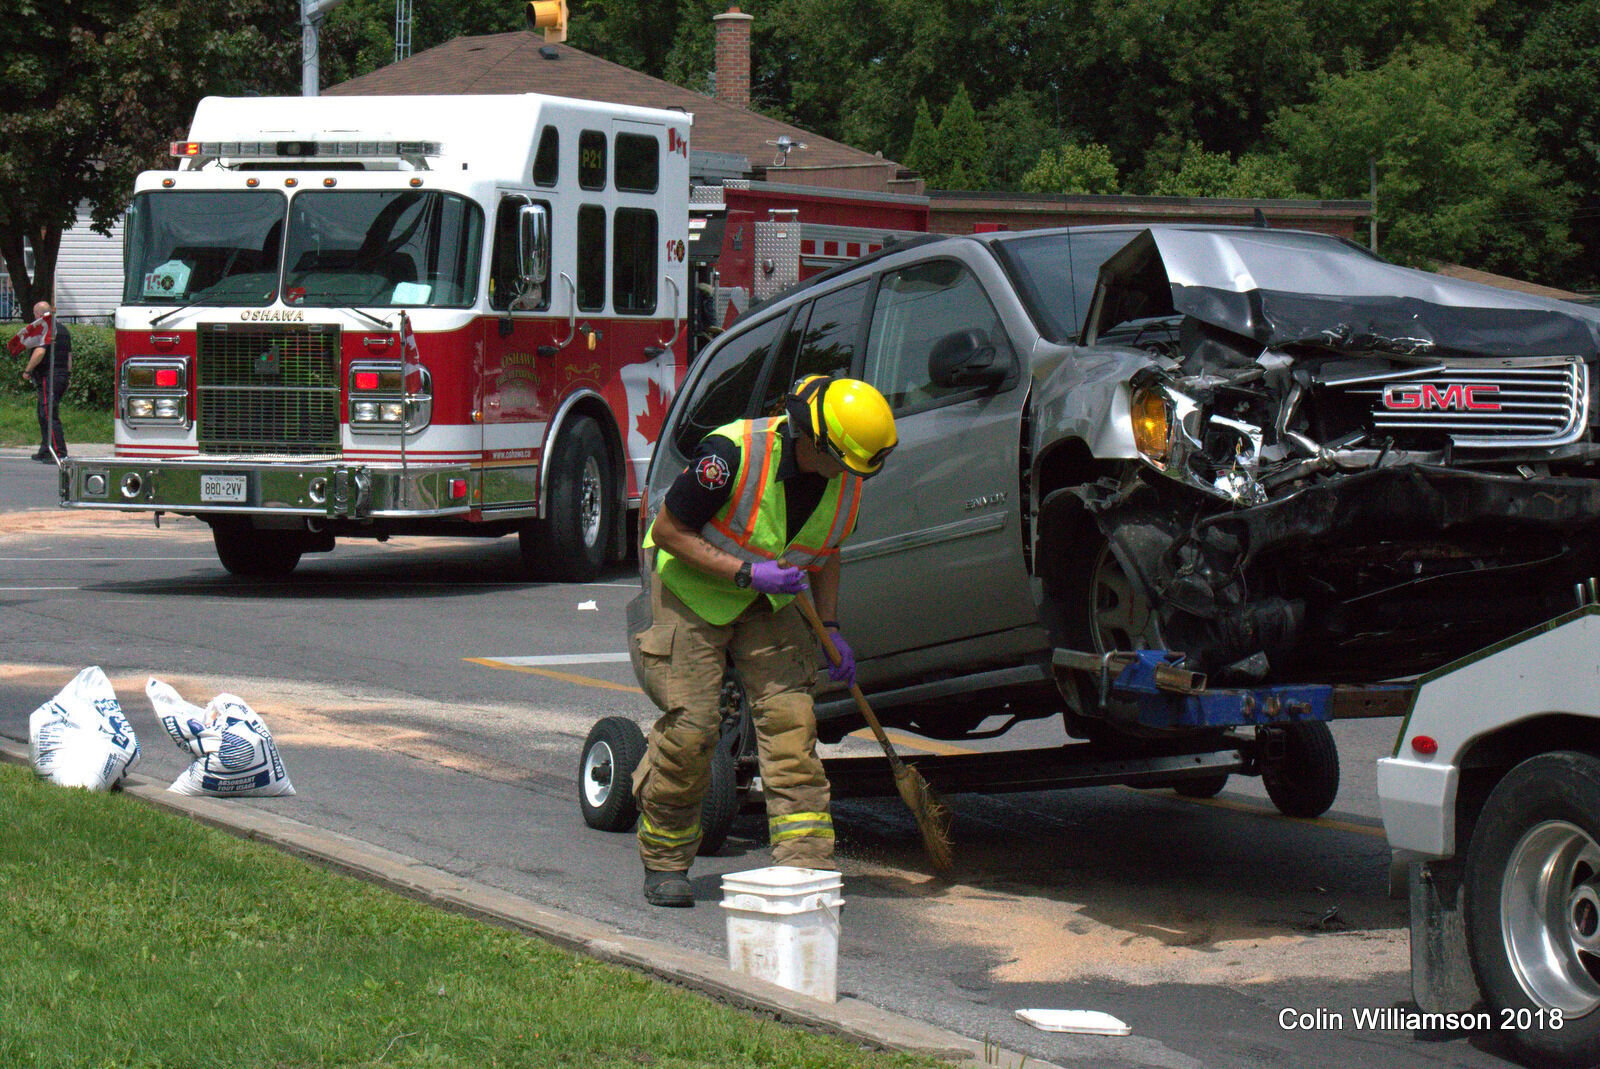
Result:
{"points": [[93, 366]]}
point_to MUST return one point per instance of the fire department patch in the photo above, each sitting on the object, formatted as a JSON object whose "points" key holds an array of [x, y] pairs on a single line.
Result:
{"points": [[712, 472]]}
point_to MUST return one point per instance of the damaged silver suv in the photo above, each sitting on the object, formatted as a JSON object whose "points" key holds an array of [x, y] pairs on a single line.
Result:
{"points": [[1270, 450]]}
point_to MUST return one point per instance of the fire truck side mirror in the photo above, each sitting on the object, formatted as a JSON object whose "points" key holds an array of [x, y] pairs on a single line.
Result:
{"points": [[533, 246]]}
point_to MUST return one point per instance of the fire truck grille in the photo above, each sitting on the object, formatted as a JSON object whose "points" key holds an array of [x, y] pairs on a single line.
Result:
{"points": [[268, 389], [1539, 405]]}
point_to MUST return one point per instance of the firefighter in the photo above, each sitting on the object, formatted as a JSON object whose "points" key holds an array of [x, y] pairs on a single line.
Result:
{"points": [[785, 486]]}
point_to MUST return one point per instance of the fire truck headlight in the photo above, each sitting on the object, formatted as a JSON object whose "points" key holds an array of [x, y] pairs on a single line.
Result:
{"points": [[364, 412], [392, 411], [155, 391]]}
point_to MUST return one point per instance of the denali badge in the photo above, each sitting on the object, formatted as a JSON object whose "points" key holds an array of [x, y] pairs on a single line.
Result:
{"points": [[1456, 397]]}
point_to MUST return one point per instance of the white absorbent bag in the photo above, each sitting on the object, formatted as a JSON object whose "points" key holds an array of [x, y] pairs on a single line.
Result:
{"points": [[234, 753], [80, 738]]}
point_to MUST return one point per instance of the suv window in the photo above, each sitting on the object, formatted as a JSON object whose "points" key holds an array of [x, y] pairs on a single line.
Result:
{"points": [[916, 307], [822, 341], [727, 383]]}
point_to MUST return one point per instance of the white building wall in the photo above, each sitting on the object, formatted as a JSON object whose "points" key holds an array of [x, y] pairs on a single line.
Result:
{"points": [[89, 271]]}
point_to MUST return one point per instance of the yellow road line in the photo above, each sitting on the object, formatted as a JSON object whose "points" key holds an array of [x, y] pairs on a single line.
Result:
{"points": [[565, 677]]}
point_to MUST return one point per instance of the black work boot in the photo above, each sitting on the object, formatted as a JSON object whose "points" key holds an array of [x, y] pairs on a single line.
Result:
{"points": [[668, 889]]}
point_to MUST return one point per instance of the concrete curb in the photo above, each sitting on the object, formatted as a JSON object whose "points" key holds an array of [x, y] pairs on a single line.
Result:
{"points": [[850, 1019]]}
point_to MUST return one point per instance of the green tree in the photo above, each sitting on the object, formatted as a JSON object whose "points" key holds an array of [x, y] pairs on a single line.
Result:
{"points": [[1558, 62], [1202, 173], [1019, 127], [96, 90], [925, 152], [964, 143], [1073, 168], [1458, 179]]}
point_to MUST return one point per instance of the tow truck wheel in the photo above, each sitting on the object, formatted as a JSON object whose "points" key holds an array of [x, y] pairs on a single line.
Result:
{"points": [[612, 751], [569, 544], [721, 802], [1532, 907], [1304, 779], [243, 550]]}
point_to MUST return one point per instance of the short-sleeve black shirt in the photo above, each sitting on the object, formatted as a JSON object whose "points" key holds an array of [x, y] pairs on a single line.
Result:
{"points": [[705, 485]]}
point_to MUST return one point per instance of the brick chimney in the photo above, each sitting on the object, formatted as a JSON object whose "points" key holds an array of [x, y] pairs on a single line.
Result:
{"points": [[733, 57]]}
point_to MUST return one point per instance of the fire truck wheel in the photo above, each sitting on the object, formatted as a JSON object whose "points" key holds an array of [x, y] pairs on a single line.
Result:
{"points": [[569, 544], [1531, 904], [243, 550]]}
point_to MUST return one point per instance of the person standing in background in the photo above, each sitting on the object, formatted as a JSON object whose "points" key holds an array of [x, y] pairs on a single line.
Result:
{"points": [[48, 368]]}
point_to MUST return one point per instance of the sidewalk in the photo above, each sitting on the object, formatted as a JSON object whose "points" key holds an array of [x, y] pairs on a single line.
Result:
{"points": [[849, 1018]]}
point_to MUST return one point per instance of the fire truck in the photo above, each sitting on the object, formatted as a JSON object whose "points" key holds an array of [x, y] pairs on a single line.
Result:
{"points": [[376, 316]]}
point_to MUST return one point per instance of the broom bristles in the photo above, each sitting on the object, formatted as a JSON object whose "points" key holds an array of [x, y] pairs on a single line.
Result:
{"points": [[933, 817]]}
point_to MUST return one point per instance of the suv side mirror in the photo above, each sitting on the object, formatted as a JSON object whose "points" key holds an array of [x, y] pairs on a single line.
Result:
{"points": [[966, 359]]}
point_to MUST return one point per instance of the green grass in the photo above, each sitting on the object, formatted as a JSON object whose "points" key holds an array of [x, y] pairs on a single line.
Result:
{"points": [[19, 422], [134, 938]]}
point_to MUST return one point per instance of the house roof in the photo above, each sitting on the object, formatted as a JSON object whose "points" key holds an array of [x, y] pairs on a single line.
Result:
{"points": [[518, 63]]}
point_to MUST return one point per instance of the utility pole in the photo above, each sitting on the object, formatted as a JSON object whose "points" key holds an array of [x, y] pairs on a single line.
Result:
{"points": [[1372, 195], [312, 13], [402, 30]]}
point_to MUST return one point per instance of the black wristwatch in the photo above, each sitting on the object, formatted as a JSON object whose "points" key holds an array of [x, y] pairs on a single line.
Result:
{"points": [[742, 578]]}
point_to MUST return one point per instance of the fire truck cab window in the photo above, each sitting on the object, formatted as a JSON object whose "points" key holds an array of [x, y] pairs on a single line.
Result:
{"points": [[638, 163], [382, 248], [633, 261], [592, 159], [821, 341], [547, 160], [204, 248], [507, 288], [592, 250]]}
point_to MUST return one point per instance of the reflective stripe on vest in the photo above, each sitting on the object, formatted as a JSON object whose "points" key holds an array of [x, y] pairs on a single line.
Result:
{"points": [[752, 525], [796, 825]]}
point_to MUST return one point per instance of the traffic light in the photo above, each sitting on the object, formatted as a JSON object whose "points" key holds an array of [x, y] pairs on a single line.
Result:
{"points": [[549, 16]]}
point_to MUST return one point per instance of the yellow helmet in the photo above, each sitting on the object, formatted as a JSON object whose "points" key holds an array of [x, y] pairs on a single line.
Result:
{"points": [[847, 419]]}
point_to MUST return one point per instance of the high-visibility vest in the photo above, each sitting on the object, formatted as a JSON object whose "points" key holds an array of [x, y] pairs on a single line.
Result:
{"points": [[753, 525]]}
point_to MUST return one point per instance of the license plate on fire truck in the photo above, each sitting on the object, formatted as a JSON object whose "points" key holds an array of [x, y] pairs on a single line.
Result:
{"points": [[225, 489]]}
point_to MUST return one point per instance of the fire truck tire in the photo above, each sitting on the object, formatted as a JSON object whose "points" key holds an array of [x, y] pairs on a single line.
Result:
{"points": [[612, 751], [1531, 905], [569, 544], [243, 550], [1305, 780]]}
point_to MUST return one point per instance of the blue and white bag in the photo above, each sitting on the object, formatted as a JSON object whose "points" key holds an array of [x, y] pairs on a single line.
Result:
{"points": [[234, 754], [80, 738]]}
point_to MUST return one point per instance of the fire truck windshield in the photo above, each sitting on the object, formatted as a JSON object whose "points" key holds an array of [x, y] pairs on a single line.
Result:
{"points": [[382, 248], [188, 248]]}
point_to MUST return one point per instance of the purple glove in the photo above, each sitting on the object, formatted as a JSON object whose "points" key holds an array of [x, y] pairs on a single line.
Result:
{"points": [[770, 577], [845, 670]]}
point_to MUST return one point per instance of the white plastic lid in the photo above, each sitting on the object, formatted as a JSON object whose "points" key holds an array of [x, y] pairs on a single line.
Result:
{"points": [[1083, 1022]]}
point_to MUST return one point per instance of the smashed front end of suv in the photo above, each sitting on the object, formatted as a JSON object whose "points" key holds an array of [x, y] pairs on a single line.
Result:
{"points": [[1344, 468]]}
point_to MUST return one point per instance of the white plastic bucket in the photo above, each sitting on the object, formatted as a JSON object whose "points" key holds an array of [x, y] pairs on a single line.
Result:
{"points": [[783, 927]]}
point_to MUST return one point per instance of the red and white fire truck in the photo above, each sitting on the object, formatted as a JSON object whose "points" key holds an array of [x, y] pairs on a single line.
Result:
{"points": [[374, 316]]}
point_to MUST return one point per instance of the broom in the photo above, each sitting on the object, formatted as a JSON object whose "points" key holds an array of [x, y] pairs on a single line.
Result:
{"points": [[933, 819]]}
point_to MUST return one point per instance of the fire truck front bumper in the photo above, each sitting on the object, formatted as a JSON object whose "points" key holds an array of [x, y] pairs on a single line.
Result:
{"points": [[313, 487]]}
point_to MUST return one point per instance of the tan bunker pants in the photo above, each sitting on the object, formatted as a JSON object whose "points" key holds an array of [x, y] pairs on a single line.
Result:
{"points": [[683, 659]]}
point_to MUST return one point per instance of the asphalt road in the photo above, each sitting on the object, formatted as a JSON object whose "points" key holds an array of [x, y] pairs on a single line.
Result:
{"points": [[429, 702]]}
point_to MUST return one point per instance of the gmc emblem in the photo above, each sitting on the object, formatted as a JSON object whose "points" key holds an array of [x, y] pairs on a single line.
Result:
{"points": [[1456, 397]]}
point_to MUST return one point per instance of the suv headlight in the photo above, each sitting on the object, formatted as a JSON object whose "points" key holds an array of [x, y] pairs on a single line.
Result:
{"points": [[154, 391], [379, 402], [1151, 411]]}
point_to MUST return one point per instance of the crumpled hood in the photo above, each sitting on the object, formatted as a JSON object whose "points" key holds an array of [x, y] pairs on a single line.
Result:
{"points": [[1284, 288]]}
